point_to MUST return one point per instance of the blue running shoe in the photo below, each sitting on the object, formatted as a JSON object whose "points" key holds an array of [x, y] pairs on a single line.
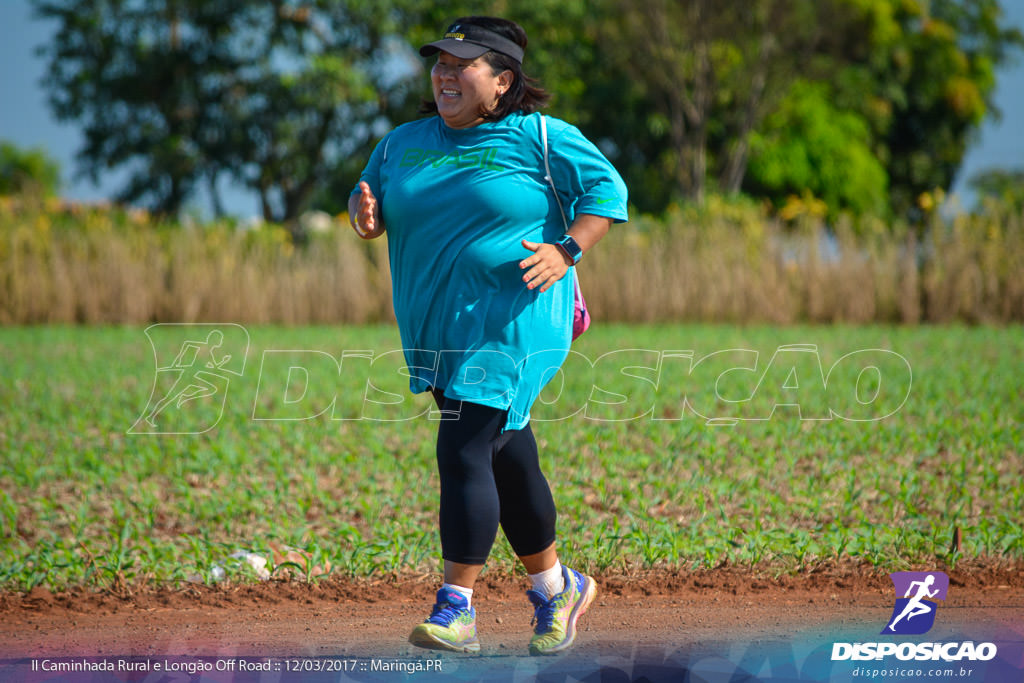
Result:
{"points": [[556, 618], [451, 625]]}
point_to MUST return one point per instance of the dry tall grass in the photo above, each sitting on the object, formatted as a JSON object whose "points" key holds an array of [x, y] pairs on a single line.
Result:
{"points": [[726, 263], [732, 264], [99, 265]]}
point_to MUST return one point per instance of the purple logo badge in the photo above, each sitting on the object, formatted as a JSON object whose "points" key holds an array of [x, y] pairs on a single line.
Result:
{"points": [[917, 594]]}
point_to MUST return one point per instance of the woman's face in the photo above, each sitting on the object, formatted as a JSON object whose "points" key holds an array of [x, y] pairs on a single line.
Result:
{"points": [[464, 87]]}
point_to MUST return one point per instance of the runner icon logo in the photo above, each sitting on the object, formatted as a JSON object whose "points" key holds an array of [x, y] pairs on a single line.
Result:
{"points": [[917, 594], [194, 366]]}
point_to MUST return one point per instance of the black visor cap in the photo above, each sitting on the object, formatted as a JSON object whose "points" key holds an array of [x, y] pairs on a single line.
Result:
{"points": [[469, 42]]}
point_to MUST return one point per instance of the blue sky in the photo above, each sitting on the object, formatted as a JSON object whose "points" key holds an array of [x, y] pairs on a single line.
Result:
{"points": [[26, 119]]}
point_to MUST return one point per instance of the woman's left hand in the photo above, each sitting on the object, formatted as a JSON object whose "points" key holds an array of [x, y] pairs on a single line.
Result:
{"points": [[547, 266]]}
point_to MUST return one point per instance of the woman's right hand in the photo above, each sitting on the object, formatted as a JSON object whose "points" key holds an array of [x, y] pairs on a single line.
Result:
{"points": [[364, 213]]}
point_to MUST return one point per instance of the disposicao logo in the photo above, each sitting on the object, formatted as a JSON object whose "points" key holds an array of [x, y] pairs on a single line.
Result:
{"points": [[916, 596], [194, 367], [913, 613]]}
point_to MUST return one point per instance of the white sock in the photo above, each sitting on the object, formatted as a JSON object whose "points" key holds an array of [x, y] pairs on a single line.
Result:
{"points": [[461, 590], [549, 582]]}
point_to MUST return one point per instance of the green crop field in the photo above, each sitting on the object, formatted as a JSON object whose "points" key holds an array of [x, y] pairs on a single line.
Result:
{"points": [[775, 448]]}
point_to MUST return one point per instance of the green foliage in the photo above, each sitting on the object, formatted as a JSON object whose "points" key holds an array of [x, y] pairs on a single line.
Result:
{"points": [[924, 80], [27, 171], [184, 93], [84, 503], [807, 145], [690, 102], [289, 98], [1003, 185]]}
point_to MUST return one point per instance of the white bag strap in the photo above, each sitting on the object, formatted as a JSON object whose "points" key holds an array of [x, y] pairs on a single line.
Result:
{"points": [[551, 182], [547, 169]]}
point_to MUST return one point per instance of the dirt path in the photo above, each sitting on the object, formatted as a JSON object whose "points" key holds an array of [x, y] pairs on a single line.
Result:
{"points": [[652, 620]]}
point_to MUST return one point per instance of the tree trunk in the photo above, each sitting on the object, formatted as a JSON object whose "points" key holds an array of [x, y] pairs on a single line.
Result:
{"points": [[699, 164], [296, 197], [215, 199], [736, 163], [703, 85], [268, 211], [678, 138]]}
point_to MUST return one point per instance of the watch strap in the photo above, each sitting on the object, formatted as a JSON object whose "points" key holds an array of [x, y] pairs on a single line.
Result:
{"points": [[570, 248]]}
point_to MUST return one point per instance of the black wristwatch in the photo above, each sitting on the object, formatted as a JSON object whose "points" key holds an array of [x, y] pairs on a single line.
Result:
{"points": [[570, 248]]}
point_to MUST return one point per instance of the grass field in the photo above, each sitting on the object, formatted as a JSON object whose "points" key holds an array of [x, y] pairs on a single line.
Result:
{"points": [[641, 480]]}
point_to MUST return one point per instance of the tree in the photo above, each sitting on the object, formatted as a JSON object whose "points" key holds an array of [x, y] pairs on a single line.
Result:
{"points": [[667, 46], [1004, 185], [703, 76], [769, 46], [185, 92], [27, 171], [809, 146], [287, 96], [693, 83], [923, 77]]}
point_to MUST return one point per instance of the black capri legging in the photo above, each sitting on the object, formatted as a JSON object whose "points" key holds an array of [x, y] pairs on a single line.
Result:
{"points": [[489, 477]]}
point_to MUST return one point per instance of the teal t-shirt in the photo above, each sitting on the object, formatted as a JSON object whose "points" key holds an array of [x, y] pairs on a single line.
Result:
{"points": [[456, 204]]}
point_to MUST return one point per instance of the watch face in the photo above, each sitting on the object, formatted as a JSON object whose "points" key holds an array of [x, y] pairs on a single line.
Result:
{"points": [[571, 248]]}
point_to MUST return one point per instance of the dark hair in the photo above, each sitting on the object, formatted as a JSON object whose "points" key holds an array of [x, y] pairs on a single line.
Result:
{"points": [[525, 94]]}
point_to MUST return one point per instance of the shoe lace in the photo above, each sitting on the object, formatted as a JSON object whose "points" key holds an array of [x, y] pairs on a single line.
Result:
{"points": [[443, 614], [543, 612]]}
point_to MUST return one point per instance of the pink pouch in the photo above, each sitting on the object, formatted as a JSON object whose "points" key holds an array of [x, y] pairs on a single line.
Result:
{"points": [[580, 315]]}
